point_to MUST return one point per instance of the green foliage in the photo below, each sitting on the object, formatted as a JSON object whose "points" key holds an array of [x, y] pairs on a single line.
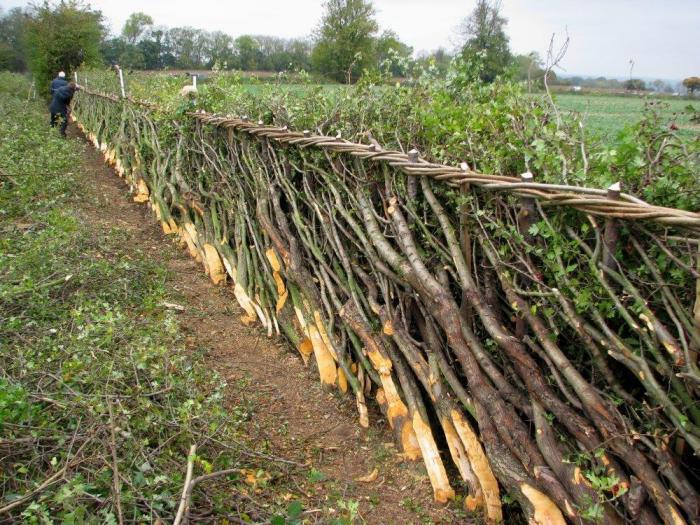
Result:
{"points": [[11, 44], [136, 46], [486, 42], [247, 52], [438, 61], [345, 43], [593, 512], [529, 68], [634, 84], [13, 85], [496, 128], [292, 517], [351, 511], [315, 476], [692, 84], [61, 36], [394, 52], [146, 47], [135, 26], [607, 486], [669, 176]]}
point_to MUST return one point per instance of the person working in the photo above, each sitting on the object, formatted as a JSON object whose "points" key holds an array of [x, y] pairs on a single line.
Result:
{"points": [[58, 82], [60, 105]]}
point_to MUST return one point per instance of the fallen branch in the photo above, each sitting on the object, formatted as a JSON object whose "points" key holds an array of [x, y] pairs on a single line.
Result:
{"points": [[186, 490]]}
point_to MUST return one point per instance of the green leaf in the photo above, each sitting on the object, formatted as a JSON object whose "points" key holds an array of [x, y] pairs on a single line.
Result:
{"points": [[294, 509], [314, 476]]}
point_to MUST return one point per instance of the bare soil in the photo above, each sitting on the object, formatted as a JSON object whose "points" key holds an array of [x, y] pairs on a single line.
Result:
{"points": [[287, 410]]}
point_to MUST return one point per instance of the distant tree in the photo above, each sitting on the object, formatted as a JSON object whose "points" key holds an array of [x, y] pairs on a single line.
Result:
{"points": [[485, 40], [135, 30], [600, 82], [112, 49], [273, 53], [132, 57], [11, 44], [188, 46], [389, 47], [155, 53], [220, 50], [247, 53], [62, 36], [692, 84], [441, 59], [142, 46], [528, 68], [634, 84], [345, 39], [561, 81], [658, 85], [597, 82], [299, 54], [438, 61], [135, 26]]}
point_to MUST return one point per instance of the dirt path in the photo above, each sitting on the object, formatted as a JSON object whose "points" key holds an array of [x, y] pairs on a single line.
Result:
{"points": [[287, 409]]}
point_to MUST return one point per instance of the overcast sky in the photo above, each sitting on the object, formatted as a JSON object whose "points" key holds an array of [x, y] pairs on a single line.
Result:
{"points": [[659, 35]]}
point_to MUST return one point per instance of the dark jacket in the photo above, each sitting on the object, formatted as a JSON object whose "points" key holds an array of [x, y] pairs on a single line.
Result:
{"points": [[61, 99], [56, 83]]}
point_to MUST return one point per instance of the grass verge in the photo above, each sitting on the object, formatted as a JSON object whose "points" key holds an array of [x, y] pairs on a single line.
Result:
{"points": [[99, 401]]}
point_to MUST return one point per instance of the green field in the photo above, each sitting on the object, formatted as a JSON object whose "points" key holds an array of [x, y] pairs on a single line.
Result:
{"points": [[608, 114]]}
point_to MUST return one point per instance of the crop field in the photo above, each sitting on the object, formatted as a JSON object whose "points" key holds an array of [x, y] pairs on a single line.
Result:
{"points": [[608, 114]]}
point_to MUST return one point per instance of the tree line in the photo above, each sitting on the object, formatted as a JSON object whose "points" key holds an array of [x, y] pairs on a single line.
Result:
{"points": [[346, 44], [64, 35]]}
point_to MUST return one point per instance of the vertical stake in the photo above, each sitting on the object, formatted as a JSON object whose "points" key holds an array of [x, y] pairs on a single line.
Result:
{"points": [[696, 309], [75, 74], [612, 232], [194, 80], [528, 211], [121, 82], [527, 217], [465, 241], [412, 182]]}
